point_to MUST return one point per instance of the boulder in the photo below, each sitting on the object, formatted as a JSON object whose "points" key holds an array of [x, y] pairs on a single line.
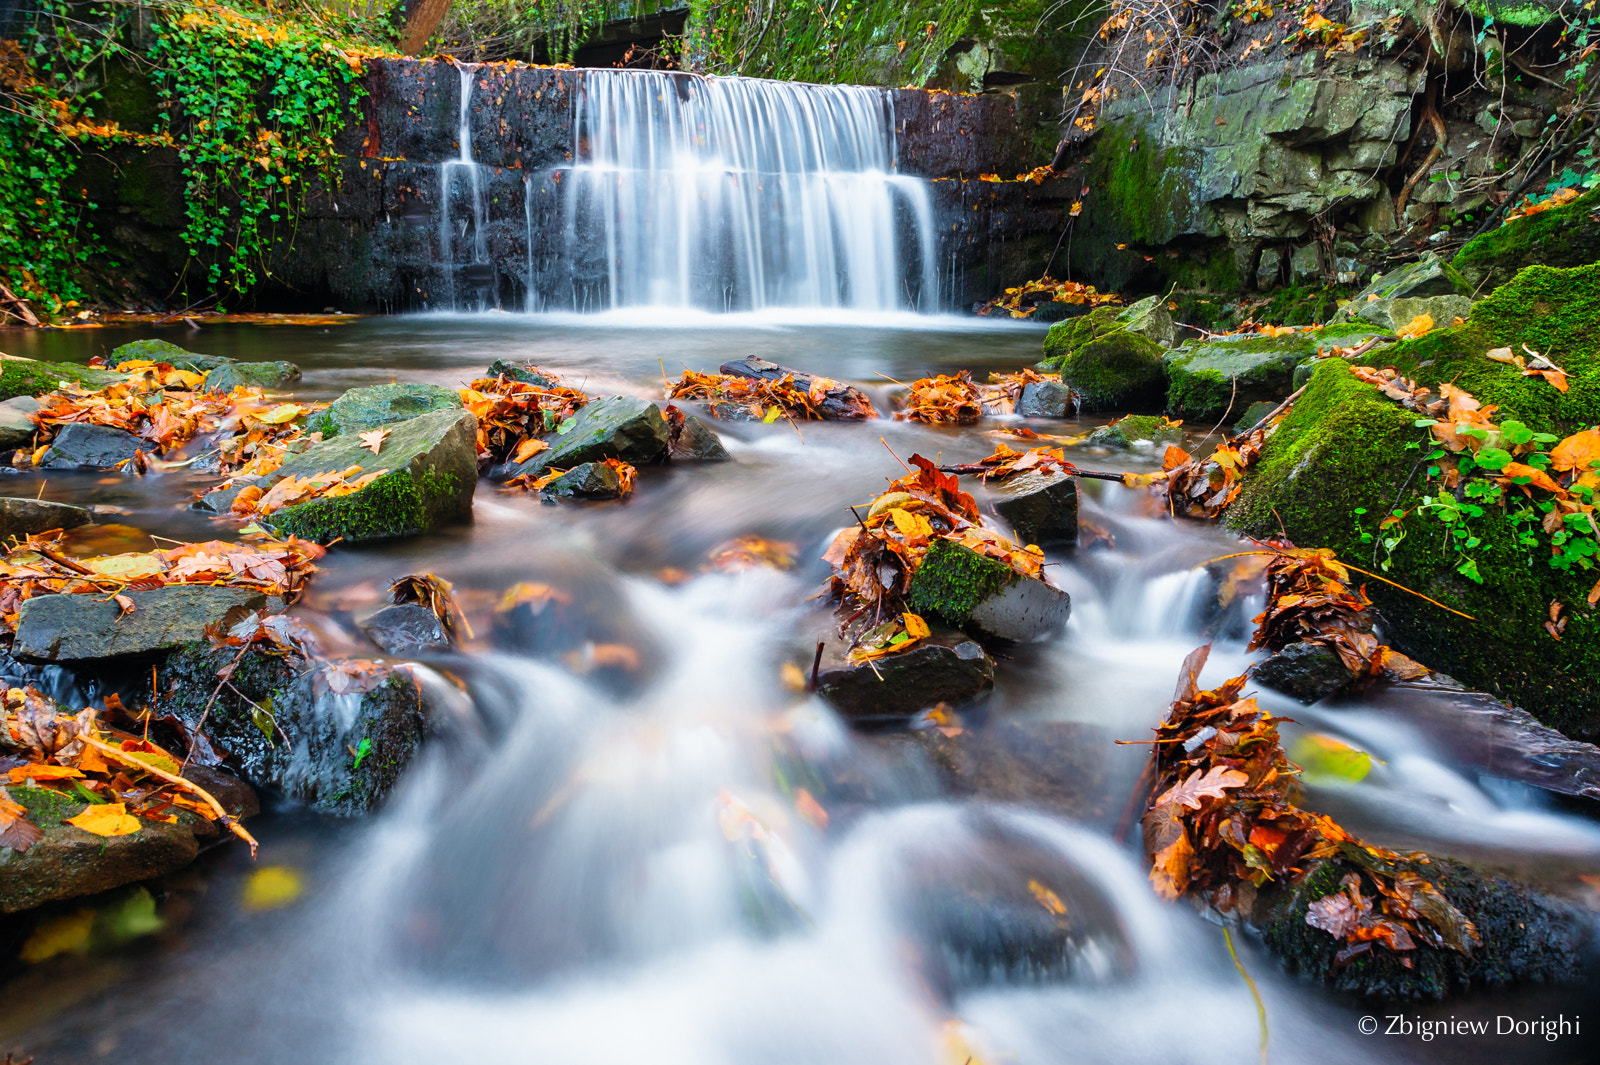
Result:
{"points": [[695, 441], [25, 377], [406, 629], [164, 351], [287, 727], [24, 517], [232, 375], [16, 428], [1040, 506], [83, 627], [1564, 236], [69, 862], [591, 480], [507, 368], [608, 427], [1047, 399], [1150, 319], [1208, 378], [1307, 670], [80, 446], [1398, 312], [26, 404], [433, 469], [1128, 431], [1428, 276], [945, 667], [361, 409], [840, 400], [960, 587], [1109, 366]]}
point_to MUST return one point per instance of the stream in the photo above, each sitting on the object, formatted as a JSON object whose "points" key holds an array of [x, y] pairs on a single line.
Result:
{"points": [[554, 880]]}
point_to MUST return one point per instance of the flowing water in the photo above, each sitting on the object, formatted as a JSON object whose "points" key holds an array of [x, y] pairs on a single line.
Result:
{"points": [[607, 864]]}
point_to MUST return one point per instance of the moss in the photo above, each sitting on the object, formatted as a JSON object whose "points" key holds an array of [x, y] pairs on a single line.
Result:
{"points": [[1302, 306], [1343, 447], [1563, 237], [1069, 335], [393, 505], [1208, 378], [1115, 370], [1139, 196], [953, 580], [233, 375], [23, 377], [1125, 431], [47, 808]]}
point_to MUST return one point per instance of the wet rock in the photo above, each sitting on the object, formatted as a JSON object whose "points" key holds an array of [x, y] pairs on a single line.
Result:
{"points": [[592, 480], [1046, 399], [342, 753], [946, 667], [608, 427], [1108, 365], [1397, 313], [361, 409], [1208, 377], [1307, 670], [433, 469], [69, 862], [25, 377], [1040, 507], [24, 517], [695, 441], [841, 401], [509, 369], [1058, 766], [91, 447], [1564, 236], [1128, 431], [1525, 937], [16, 428], [220, 500], [75, 628], [167, 352], [963, 588], [406, 629], [232, 375]]}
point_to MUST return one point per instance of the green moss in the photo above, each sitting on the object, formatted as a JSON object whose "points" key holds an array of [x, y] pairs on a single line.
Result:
{"points": [[46, 808], [1209, 378], [953, 580], [22, 377], [1139, 196], [1113, 370], [1302, 306], [1069, 335], [394, 505], [1563, 237], [1124, 431], [233, 375]]}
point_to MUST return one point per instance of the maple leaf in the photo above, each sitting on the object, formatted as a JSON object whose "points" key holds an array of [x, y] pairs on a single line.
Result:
{"points": [[373, 440], [1211, 784]]}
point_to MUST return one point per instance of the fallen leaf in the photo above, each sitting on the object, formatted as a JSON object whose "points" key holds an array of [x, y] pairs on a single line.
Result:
{"points": [[373, 440], [106, 819], [1419, 326], [271, 887], [810, 810], [1212, 784], [282, 414], [1048, 899]]}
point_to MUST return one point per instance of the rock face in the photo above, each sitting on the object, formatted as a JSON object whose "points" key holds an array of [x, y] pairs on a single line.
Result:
{"points": [[608, 427], [91, 447], [963, 588], [1047, 399], [24, 517], [69, 862], [591, 480], [361, 409], [1209, 377], [1307, 670], [1565, 236], [313, 730], [1041, 508], [406, 629], [946, 667], [75, 628], [227, 377], [695, 441], [1111, 367], [433, 469]]}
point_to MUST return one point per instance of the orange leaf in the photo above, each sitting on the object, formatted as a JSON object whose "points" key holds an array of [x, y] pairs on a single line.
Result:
{"points": [[1577, 452], [527, 449], [106, 819], [1211, 785], [1537, 477], [44, 772], [1175, 457], [373, 440], [809, 809], [916, 628]]}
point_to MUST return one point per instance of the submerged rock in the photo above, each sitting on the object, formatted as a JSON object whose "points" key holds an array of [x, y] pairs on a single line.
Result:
{"points": [[406, 629], [24, 517], [695, 441], [608, 427], [1058, 766], [1211, 376], [288, 728], [592, 480], [1307, 670], [82, 627], [945, 667], [234, 375], [361, 409], [433, 470], [963, 588], [1040, 507], [81, 446]]}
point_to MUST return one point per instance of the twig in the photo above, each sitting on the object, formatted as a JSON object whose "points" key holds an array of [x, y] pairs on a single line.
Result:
{"points": [[171, 778], [1261, 1007], [897, 458], [816, 664]]}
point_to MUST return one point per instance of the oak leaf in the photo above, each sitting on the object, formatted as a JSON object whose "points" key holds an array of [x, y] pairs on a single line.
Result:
{"points": [[373, 440], [1212, 784]]}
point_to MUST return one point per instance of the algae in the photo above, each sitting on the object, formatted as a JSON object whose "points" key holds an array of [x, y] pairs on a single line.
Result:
{"points": [[953, 580]]}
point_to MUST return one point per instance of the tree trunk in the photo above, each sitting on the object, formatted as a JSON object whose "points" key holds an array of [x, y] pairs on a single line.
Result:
{"points": [[422, 18]]}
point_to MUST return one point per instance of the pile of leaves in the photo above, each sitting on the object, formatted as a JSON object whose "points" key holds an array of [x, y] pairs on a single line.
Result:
{"points": [[514, 416], [1001, 394], [1008, 462], [735, 397], [1224, 823], [125, 779], [874, 561], [1310, 598], [943, 400], [1204, 488], [1530, 206], [1025, 299], [38, 567], [292, 490]]}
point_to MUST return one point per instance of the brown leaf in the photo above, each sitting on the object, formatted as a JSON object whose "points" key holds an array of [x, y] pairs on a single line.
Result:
{"points": [[1211, 784], [373, 440]]}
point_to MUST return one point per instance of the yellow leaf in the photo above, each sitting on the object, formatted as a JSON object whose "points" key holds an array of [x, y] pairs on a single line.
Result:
{"points": [[271, 887], [106, 819], [282, 414], [129, 567], [373, 440], [1421, 325], [67, 934], [916, 628], [910, 524], [1047, 898], [774, 412]]}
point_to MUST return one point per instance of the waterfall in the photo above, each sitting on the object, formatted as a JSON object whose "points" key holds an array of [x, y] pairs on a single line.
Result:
{"points": [[711, 194]]}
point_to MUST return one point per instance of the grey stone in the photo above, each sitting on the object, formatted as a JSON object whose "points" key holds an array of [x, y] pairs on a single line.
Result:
{"points": [[1026, 611], [1306, 670], [590, 480], [1527, 128], [840, 401], [97, 447], [69, 863], [433, 470], [1208, 377], [75, 628], [1128, 431], [1398, 313], [1041, 508], [1306, 263], [406, 629], [1046, 399], [945, 667], [1428, 276], [361, 409], [695, 441], [16, 428], [507, 368], [1149, 318], [960, 587], [1269, 270], [608, 427], [26, 404], [24, 517], [234, 375]]}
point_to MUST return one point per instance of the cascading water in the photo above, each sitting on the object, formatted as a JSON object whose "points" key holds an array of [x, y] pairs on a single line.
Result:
{"points": [[474, 290]]}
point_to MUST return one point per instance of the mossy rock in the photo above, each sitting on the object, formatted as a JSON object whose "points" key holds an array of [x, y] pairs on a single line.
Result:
{"points": [[1524, 937], [361, 409], [1564, 236], [25, 377], [608, 427], [1343, 447], [953, 580], [167, 352], [234, 375], [1207, 378], [1066, 337], [1125, 432], [1109, 366], [433, 464]]}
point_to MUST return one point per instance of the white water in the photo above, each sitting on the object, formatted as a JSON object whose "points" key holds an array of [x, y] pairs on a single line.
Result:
{"points": [[464, 235]]}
